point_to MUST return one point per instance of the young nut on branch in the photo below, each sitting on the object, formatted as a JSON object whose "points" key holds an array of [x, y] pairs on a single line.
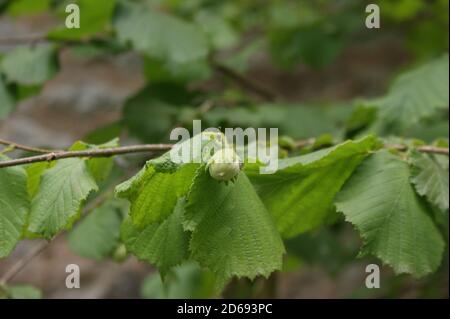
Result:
{"points": [[224, 165]]}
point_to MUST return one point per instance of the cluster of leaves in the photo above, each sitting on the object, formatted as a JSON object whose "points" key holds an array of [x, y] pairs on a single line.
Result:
{"points": [[170, 214], [179, 212], [42, 199], [175, 48]]}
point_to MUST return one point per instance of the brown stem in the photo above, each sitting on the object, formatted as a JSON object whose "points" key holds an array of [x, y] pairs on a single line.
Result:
{"points": [[304, 143], [22, 262], [240, 79], [399, 147], [103, 152], [106, 152], [26, 148], [24, 39], [244, 82], [424, 149]]}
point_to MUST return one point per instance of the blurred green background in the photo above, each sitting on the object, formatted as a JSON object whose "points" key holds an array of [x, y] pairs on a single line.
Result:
{"points": [[310, 68]]}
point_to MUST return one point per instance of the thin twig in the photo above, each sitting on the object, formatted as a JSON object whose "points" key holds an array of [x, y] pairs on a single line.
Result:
{"points": [[304, 143], [24, 39], [101, 152], [22, 262], [206, 106], [106, 152], [240, 79], [424, 149], [39, 248], [26, 148], [244, 82], [399, 147]]}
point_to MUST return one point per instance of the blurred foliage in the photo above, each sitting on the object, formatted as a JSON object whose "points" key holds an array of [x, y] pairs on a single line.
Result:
{"points": [[19, 292], [176, 41], [98, 235], [187, 281]]}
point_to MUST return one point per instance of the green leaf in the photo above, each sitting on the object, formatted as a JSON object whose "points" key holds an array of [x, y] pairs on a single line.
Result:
{"points": [[150, 114], [312, 44], [14, 207], [416, 94], [158, 70], [58, 202], [163, 244], [393, 221], [233, 234], [307, 121], [361, 118], [429, 130], [153, 193], [240, 59], [331, 248], [220, 33], [34, 173], [23, 92], [300, 194], [104, 133], [187, 281], [98, 167], [20, 292], [28, 7], [6, 100], [159, 35], [430, 179], [262, 116], [297, 121], [95, 17], [98, 234], [30, 65]]}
